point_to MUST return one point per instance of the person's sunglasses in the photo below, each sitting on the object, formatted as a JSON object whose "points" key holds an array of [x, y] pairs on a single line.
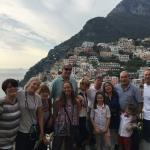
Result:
{"points": [[68, 69]]}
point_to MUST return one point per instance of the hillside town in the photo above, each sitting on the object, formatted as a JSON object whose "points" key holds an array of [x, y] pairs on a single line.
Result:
{"points": [[106, 59]]}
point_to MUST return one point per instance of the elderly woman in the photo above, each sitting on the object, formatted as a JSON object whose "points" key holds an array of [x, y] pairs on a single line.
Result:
{"points": [[31, 115], [9, 115]]}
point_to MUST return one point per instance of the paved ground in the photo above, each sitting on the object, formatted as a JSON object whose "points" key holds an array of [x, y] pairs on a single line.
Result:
{"points": [[144, 145]]}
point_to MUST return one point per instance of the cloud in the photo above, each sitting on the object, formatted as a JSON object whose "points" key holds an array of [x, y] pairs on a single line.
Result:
{"points": [[39, 25]]}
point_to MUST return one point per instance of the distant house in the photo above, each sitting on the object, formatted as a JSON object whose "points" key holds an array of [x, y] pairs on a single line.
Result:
{"points": [[127, 45], [123, 58]]}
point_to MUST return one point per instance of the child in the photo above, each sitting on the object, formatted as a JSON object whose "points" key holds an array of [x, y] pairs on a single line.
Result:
{"points": [[100, 117], [127, 124], [44, 93]]}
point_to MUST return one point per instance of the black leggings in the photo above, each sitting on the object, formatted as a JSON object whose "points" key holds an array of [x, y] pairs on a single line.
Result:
{"points": [[60, 140], [146, 130], [23, 142]]}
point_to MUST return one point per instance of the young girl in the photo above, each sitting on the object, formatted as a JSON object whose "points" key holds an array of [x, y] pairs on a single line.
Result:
{"points": [[44, 93], [100, 117], [66, 115], [127, 124]]}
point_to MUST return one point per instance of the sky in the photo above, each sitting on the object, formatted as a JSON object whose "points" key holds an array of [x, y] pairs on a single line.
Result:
{"points": [[30, 28]]}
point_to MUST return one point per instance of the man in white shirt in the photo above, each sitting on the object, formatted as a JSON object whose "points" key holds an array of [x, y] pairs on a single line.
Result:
{"points": [[93, 90], [91, 97], [146, 95]]}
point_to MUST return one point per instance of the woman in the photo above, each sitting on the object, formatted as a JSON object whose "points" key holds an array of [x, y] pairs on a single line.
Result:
{"points": [[112, 100], [83, 136], [9, 115], [66, 116], [31, 115]]}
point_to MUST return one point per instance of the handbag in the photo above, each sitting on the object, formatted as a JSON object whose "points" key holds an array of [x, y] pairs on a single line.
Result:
{"points": [[34, 129]]}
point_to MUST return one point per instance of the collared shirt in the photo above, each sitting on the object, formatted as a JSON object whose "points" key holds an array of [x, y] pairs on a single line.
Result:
{"points": [[130, 95], [57, 86], [99, 115]]}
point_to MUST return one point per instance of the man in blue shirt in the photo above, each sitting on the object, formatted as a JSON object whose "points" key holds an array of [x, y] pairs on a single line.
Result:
{"points": [[57, 84], [128, 93]]}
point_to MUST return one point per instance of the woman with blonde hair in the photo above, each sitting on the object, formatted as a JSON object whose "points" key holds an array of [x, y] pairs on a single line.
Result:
{"points": [[31, 115]]}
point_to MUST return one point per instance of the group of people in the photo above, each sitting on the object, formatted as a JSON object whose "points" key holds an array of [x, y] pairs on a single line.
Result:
{"points": [[101, 116]]}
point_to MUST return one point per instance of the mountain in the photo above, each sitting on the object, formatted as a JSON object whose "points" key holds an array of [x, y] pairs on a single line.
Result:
{"points": [[130, 18], [134, 7]]}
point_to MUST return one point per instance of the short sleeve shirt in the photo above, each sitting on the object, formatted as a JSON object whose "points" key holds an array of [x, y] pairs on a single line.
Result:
{"points": [[28, 109], [130, 95], [99, 115], [57, 84]]}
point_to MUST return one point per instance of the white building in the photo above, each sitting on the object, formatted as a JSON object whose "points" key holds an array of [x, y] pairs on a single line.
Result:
{"points": [[123, 58], [126, 44], [87, 44], [114, 49]]}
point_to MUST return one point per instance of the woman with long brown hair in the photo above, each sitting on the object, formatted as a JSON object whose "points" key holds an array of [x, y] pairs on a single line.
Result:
{"points": [[112, 100], [66, 116]]}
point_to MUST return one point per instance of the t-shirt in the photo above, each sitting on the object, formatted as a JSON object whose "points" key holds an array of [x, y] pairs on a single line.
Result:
{"points": [[28, 109], [146, 95], [124, 123], [99, 115], [57, 85], [9, 123]]}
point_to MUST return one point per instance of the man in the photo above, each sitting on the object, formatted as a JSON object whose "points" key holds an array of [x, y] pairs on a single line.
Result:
{"points": [[146, 95], [128, 93], [91, 97], [57, 84], [93, 90]]}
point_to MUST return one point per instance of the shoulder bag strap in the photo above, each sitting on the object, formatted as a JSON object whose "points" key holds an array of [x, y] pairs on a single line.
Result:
{"points": [[68, 115], [27, 106]]}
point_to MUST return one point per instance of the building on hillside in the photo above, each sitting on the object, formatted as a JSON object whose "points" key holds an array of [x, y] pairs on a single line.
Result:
{"points": [[78, 50], [127, 45], [105, 53], [93, 58], [72, 60], [87, 44], [123, 58], [114, 49]]}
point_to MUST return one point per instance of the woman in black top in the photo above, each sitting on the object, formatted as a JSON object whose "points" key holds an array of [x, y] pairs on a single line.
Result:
{"points": [[112, 100]]}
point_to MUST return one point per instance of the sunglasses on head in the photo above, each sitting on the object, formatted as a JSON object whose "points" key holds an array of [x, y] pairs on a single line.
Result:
{"points": [[68, 69]]}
